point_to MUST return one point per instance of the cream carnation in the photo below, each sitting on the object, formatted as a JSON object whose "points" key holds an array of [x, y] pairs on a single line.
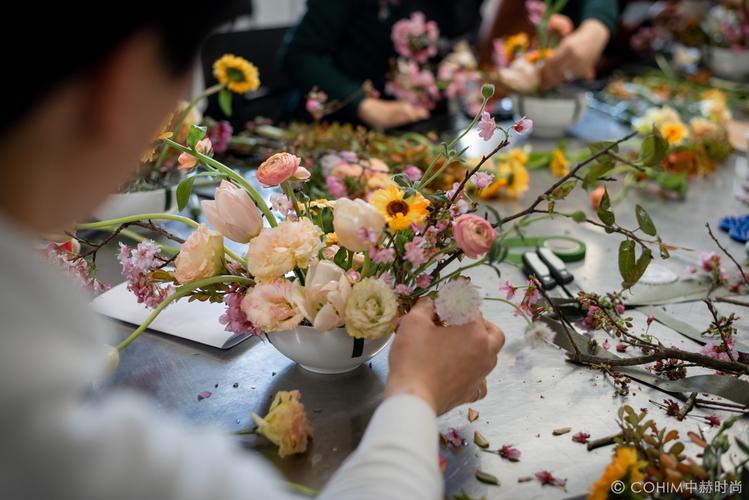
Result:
{"points": [[458, 302], [270, 307], [371, 309]]}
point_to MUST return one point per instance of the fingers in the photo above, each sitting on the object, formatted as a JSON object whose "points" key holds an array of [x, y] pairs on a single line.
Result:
{"points": [[424, 308], [496, 337]]}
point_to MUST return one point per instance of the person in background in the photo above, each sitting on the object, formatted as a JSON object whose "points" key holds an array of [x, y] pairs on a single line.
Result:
{"points": [[339, 44], [576, 55], [82, 112]]}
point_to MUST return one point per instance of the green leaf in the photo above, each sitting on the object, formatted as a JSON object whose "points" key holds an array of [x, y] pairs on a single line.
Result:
{"points": [[487, 478], [497, 252], [184, 190], [665, 254], [224, 101], [596, 147], [672, 182], [341, 258], [604, 213], [578, 216], [564, 189], [645, 222], [195, 134], [627, 260], [653, 149], [598, 170]]}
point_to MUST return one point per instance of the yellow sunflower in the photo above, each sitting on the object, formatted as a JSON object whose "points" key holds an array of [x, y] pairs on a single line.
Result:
{"points": [[399, 211], [236, 73], [510, 181], [514, 44], [519, 155], [560, 165], [624, 462], [674, 131]]}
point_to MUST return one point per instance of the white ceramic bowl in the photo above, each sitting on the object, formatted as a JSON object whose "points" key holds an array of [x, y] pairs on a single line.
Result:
{"points": [[551, 115], [727, 63], [139, 202], [333, 351]]}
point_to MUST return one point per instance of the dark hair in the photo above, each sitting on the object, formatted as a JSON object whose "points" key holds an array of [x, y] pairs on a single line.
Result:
{"points": [[65, 39]]}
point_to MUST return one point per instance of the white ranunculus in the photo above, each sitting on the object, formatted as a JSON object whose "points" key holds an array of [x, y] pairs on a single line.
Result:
{"points": [[371, 309], [355, 222], [323, 297]]}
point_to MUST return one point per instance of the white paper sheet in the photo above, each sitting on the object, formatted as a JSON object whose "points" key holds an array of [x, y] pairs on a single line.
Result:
{"points": [[196, 321]]}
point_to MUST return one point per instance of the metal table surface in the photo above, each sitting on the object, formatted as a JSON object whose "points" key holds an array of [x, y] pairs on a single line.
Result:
{"points": [[531, 392]]}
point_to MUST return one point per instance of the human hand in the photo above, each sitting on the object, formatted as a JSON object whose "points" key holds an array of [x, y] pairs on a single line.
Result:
{"points": [[444, 365], [576, 55], [380, 113]]}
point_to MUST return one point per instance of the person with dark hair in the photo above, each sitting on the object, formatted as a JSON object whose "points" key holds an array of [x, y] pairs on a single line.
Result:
{"points": [[577, 53], [75, 120], [339, 44]]}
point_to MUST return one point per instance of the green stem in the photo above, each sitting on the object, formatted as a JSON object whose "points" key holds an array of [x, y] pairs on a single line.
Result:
{"points": [[232, 175], [517, 308], [207, 92], [181, 291], [105, 224], [460, 270], [301, 489], [292, 197]]}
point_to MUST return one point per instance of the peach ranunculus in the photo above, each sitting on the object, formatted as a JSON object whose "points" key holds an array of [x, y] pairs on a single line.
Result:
{"points": [[201, 256], [286, 424], [187, 161], [280, 168], [323, 297], [521, 76], [357, 224], [233, 213], [473, 234], [346, 169], [270, 306], [276, 251]]}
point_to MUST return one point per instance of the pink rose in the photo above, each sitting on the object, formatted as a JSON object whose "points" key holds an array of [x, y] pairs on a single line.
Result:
{"points": [[270, 306], [473, 234], [233, 213], [280, 168], [201, 256]]}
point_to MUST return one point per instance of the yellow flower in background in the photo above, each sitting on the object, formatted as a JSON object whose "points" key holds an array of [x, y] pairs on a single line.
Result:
{"points": [[713, 95], [510, 176], [702, 128], [236, 73], [560, 165], [624, 462], [674, 131], [517, 179], [519, 155], [286, 424], [399, 211], [514, 44]]}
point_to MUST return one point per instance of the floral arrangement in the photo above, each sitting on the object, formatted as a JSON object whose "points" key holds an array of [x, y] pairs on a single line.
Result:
{"points": [[517, 61], [346, 263], [727, 25]]}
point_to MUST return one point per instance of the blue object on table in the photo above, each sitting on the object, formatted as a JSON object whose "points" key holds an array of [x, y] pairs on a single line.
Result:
{"points": [[736, 227]]}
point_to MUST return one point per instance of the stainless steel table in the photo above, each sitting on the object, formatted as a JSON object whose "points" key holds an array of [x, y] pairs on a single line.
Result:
{"points": [[531, 392]]}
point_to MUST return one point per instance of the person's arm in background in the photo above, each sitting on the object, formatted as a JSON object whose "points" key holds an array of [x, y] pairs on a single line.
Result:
{"points": [[307, 62], [578, 53]]}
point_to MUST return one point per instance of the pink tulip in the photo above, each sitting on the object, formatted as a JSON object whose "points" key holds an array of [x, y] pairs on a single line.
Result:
{"points": [[280, 168], [233, 213], [473, 234]]}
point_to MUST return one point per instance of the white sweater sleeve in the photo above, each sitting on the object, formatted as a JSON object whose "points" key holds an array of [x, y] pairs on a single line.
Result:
{"points": [[397, 458]]}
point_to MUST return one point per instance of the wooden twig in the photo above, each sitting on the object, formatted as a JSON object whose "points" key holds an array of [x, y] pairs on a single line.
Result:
{"points": [[727, 253], [564, 179], [601, 442], [729, 300], [717, 323], [687, 407], [660, 354]]}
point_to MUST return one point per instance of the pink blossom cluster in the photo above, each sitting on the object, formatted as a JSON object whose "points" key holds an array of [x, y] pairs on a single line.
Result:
{"points": [[315, 104], [220, 135], [60, 256], [137, 266], [413, 84], [234, 319], [415, 37]]}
